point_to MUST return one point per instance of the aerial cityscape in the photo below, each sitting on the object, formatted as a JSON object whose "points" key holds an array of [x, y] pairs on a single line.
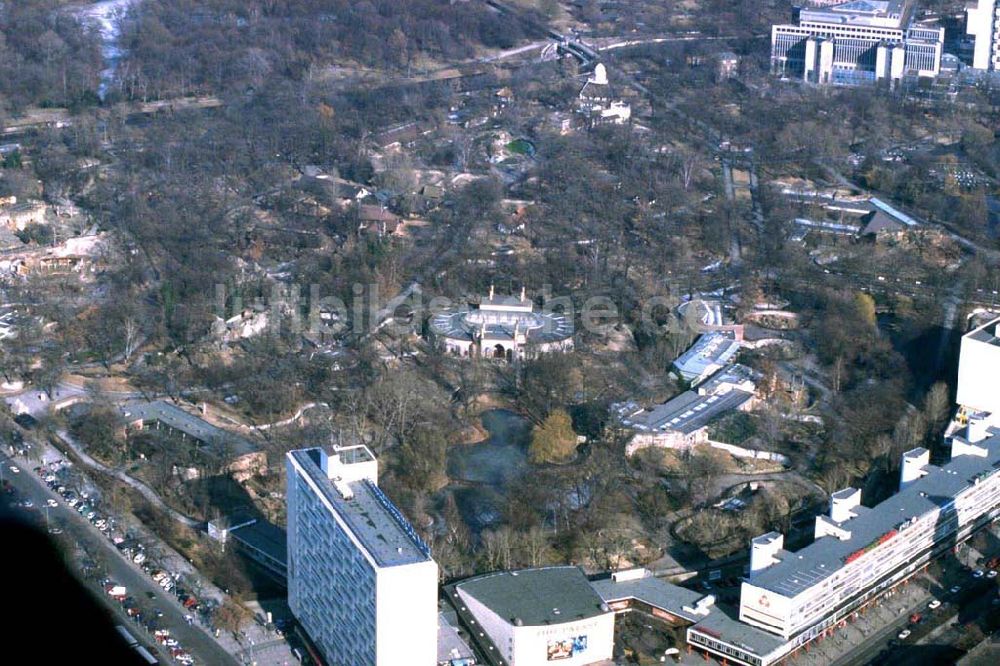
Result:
{"points": [[500, 332]]}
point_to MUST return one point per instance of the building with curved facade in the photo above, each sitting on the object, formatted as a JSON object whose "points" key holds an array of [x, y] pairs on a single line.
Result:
{"points": [[501, 327]]}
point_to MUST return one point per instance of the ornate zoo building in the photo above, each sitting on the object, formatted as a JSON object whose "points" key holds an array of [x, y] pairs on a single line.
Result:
{"points": [[501, 327]]}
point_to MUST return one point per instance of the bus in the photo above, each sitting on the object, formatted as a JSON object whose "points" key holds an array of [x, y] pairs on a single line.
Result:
{"points": [[126, 636], [147, 657]]}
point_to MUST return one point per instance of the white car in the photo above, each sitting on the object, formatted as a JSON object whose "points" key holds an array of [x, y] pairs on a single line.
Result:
{"points": [[903, 635], [14, 469], [991, 573], [956, 589], [51, 503], [934, 604], [978, 573]]}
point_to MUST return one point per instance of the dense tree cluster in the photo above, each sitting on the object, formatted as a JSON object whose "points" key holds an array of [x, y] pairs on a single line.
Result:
{"points": [[189, 46], [47, 57]]}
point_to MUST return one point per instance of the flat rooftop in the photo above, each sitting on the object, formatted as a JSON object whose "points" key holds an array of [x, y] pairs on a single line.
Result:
{"points": [[265, 537], [450, 643], [986, 333], [543, 596], [179, 419], [651, 591], [688, 412], [370, 515], [724, 623], [893, 14], [734, 374], [714, 348], [806, 567]]}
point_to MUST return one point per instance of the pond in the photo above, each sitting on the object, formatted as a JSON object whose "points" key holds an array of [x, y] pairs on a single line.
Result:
{"points": [[522, 147], [481, 473]]}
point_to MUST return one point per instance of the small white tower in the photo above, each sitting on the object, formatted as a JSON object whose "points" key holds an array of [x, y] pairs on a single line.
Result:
{"points": [[600, 75]]}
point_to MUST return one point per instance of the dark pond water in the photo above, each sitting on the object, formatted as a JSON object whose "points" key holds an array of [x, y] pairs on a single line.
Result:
{"points": [[481, 473]]}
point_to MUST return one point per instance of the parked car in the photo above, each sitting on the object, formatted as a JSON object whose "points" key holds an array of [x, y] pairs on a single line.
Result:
{"points": [[934, 604], [904, 634], [51, 503], [14, 469], [978, 573]]}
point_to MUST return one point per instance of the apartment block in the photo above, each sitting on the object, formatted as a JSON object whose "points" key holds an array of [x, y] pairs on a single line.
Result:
{"points": [[361, 582]]}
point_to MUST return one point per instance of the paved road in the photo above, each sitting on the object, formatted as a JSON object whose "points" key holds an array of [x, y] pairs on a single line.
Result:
{"points": [[201, 646]]}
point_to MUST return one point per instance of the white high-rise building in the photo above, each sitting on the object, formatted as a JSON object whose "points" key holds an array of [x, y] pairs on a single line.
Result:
{"points": [[983, 23], [361, 582], [978, 369]]}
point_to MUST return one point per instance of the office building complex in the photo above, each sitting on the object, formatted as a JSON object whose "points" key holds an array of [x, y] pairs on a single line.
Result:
{"points": [[983, 24], [360, 581], [792, 598], [863, 41]]}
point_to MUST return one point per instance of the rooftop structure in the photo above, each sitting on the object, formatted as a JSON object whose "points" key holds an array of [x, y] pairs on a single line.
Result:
{"points": [[258, 540], [859, 553], [534, 616], [503, 327], [688, 412], [244, 456], [978, 369], [682, 421], [598, 101], [452, 649], [863, 41], [361, 582], [710, 353], [623, 589], [681, 608], [372, 518], [163, 413]]}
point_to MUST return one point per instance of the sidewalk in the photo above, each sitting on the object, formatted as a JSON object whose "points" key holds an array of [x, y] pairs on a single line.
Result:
{"points": [[275, 651]]}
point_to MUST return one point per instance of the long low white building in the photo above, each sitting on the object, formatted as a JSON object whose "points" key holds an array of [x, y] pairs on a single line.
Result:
{"points": [[859, 553]]}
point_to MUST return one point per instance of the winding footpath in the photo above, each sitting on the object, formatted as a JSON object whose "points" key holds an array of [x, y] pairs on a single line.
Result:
{"points": [[145, 490]]}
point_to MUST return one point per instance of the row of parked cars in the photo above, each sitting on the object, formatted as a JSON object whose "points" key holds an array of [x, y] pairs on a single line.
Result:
{"points": [[55, 476], [78, 500], [147, 620]]}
